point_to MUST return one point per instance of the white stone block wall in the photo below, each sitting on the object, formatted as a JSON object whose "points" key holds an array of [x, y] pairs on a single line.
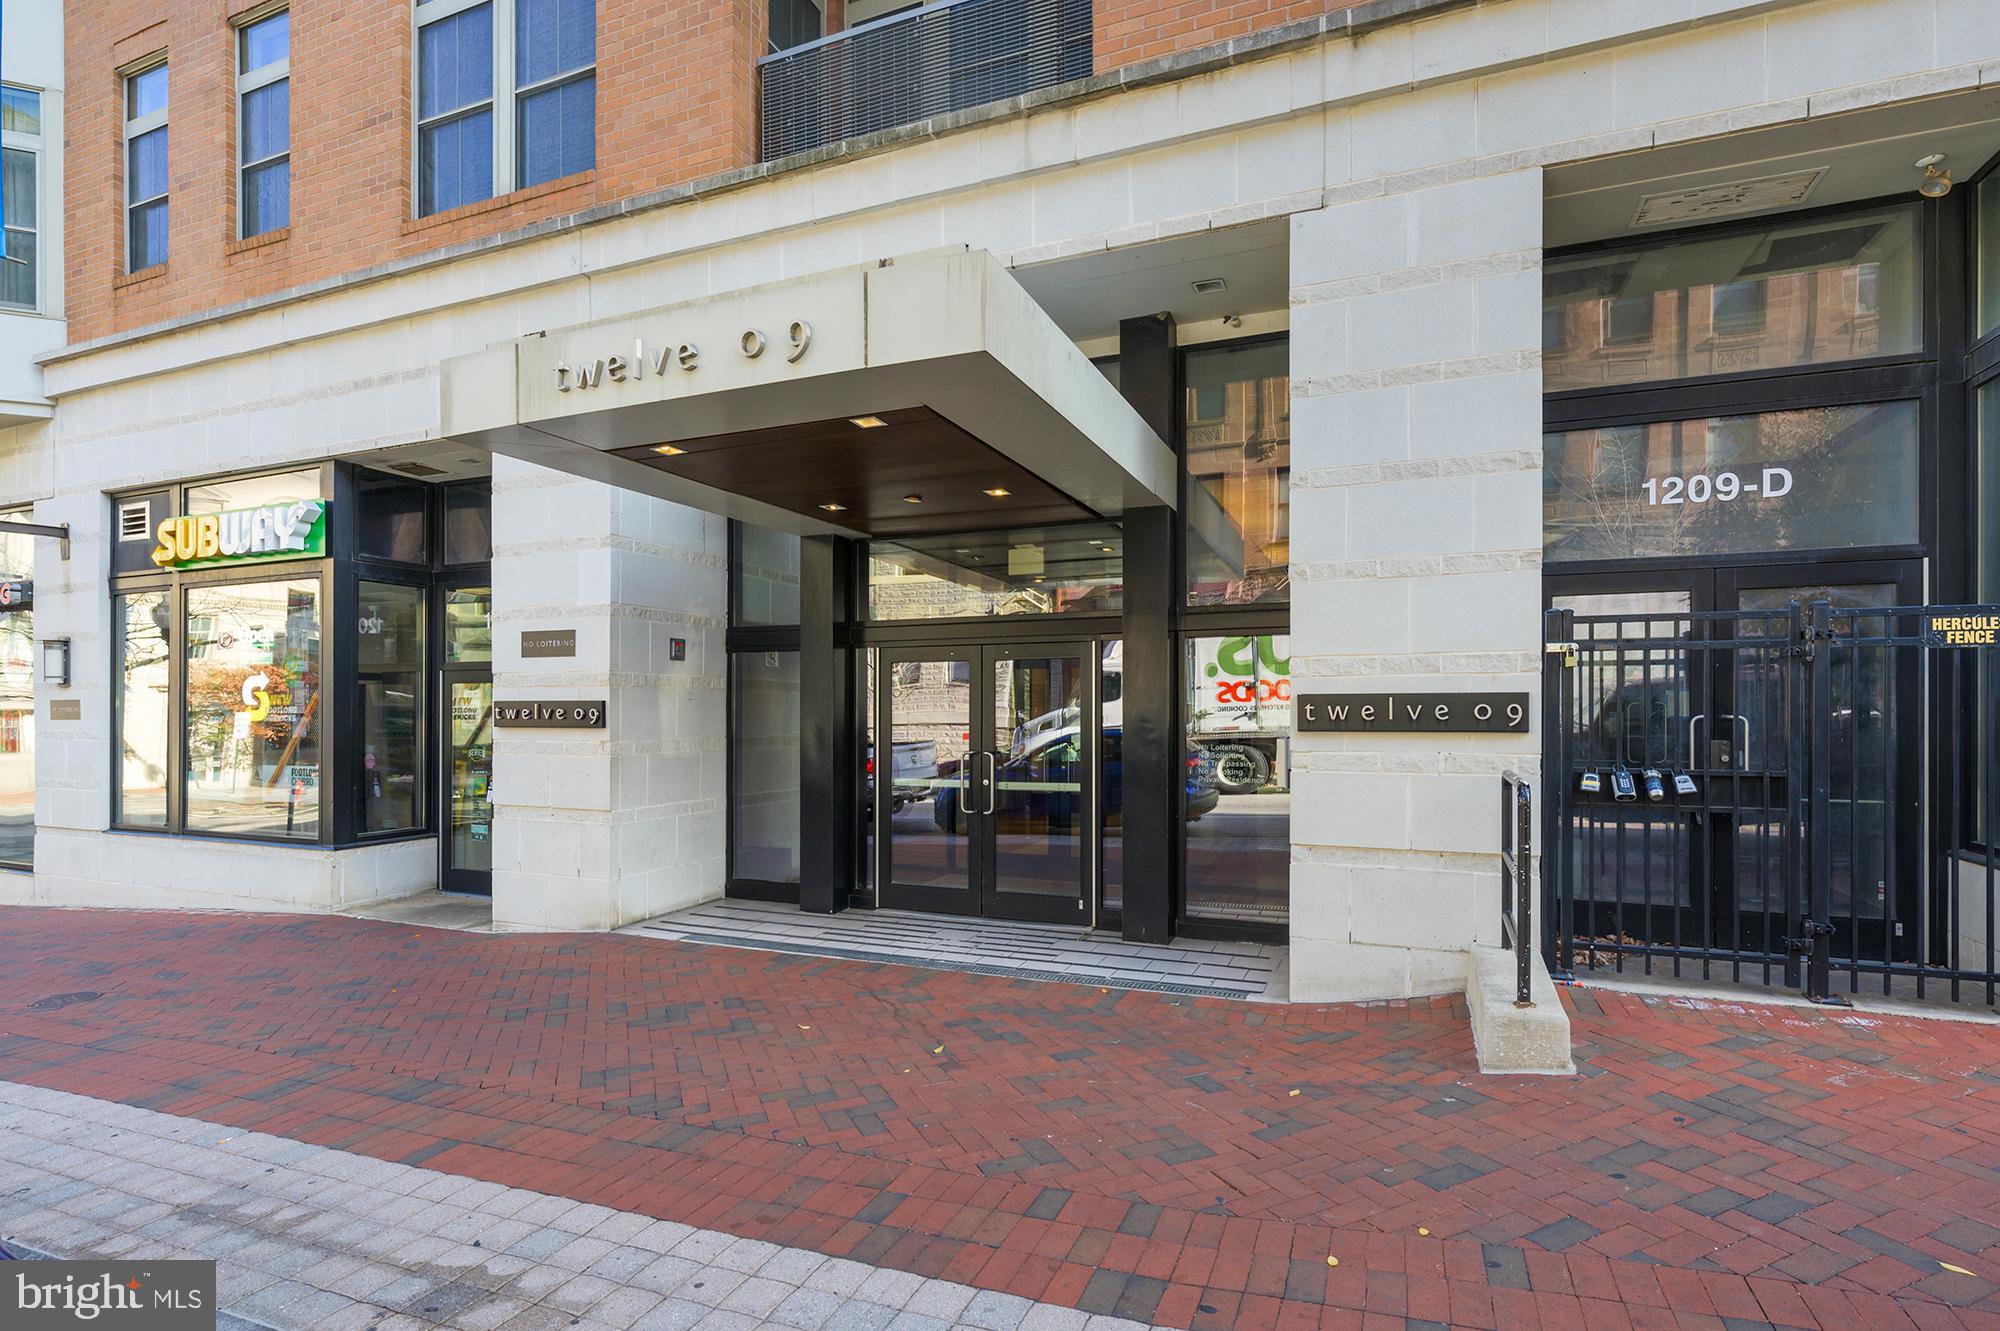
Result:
{"points": [[1416, 564], [593, 829]]}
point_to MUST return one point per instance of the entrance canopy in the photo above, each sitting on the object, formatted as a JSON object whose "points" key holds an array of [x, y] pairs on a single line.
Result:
{"points": [[919, 395]]}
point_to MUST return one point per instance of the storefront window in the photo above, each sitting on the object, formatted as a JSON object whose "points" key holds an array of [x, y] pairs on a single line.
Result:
{"points": [[390, 659], [468, 522], [1797, 293], [1987, 521], [253, 491], [144, 707], [1989, 255], [17, 695], [767, 577], [468, 625], [1239, 762], [391, 517], [1111, 772], [1238, 448], [1024, 571], [764, 766], [1825, 478], [253, 701]]}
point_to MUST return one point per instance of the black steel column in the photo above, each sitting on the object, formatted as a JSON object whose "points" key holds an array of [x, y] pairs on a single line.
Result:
{"points": [[828, 757], [1152, 742]]}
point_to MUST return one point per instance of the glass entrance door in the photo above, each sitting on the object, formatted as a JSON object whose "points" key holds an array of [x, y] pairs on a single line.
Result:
{"points": [[468, 862], [987, 807], [467, 732]]}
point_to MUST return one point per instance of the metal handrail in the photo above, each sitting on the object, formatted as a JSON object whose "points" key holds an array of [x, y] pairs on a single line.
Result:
{"points": [[1517, 857]]}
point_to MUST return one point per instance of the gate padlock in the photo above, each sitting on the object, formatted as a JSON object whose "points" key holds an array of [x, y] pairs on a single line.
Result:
{"points": [[1656, 789], [1683, 784], [1623, 788], [1591, 783]]}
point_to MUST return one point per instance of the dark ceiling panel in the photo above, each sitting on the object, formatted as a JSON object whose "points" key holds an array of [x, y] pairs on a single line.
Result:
{"points": [[869, 471]]}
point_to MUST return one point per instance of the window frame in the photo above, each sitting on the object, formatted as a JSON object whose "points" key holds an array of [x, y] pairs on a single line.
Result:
{"points": [[1899, 376], [176, 584], [247, 82], [504, 97], [137, 127], [33, 145]]}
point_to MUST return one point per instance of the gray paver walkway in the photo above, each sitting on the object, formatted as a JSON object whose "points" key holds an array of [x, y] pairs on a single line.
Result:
{"points": [[307, 1238]]}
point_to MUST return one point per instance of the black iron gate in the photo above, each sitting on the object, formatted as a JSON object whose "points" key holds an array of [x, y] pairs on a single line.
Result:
{"points": [[1806, 796]]}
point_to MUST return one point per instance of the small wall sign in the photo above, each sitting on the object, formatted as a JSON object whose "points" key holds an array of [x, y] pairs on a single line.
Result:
{"points": [[65, 709], [677, 649], [1962, 630], [551, 715], [548, 642], [17, 594], [1433, 712]]}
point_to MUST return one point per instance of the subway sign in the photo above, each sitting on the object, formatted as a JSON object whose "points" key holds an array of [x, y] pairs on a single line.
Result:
{"points": [[291, 529]]}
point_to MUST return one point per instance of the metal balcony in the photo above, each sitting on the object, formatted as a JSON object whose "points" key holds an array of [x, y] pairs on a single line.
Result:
{"points": [[923, 62]]}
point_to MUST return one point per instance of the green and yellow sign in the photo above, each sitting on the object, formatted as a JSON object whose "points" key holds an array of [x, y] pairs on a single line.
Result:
{"points": [[290, 529]]}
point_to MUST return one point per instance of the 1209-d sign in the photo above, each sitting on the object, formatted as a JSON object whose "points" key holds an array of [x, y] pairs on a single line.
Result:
{"points": [[1435, 712]]}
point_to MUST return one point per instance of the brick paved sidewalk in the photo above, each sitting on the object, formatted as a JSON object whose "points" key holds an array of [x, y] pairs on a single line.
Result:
{"points": [[1190, 1162]]}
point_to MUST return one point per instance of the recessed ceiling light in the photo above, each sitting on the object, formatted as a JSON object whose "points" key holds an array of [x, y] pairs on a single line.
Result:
{"points": [[834, 508], [866, 422], [998, 492], [1041, 579], [913, 499], [668, 450], [1209, 286], [1106, 549]]}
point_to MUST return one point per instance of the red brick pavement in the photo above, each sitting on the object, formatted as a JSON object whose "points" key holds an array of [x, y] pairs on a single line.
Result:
{"points": [[1194, 1162]]}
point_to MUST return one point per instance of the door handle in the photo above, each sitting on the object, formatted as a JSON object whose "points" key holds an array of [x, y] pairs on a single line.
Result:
{"points": [[992, 783]]}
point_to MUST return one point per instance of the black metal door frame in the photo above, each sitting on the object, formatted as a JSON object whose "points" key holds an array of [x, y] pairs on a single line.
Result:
{"points": [[976, 793]]}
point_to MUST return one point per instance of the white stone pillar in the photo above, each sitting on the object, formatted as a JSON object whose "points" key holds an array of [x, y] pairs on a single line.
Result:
{"points": [[594, 829], [1416, 565]]}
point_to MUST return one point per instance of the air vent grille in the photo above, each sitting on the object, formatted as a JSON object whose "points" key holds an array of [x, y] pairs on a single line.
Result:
{"points": [[134, 521], [1704, 202], [417, 469]]}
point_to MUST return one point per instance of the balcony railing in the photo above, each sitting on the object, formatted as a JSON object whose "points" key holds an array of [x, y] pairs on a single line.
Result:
{"points": [[921, 63]]}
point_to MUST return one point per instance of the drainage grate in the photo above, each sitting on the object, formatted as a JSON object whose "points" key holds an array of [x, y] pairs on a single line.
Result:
{"points": [[54, 1001], [969, 967]]}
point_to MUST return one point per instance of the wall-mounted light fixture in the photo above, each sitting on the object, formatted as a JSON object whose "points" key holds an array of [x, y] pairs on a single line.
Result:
{"points": [[1937, 177], [55, 662]]}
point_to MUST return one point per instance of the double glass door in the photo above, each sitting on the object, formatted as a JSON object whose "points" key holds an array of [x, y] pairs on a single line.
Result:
{"points": [[1708, 867], [983, 777]]}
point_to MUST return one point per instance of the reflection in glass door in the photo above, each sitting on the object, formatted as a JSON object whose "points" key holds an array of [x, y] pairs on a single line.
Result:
{"points": [[985, 805], [1037, 806], [929, 780], [469, 796], [468, 740]]}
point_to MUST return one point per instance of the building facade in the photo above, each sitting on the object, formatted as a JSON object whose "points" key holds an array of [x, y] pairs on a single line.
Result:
{"points": [[925, 457]]}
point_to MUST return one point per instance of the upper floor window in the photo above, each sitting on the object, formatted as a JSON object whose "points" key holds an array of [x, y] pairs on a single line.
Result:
{"points": [[1237, 447], [264, 128], [794, 23], [1774, 295], [146, 168], [20, 163], [506, 96]]}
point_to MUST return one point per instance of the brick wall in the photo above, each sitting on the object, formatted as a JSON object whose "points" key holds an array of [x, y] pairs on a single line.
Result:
{"points": [[675, 86], [1129, 31]]}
